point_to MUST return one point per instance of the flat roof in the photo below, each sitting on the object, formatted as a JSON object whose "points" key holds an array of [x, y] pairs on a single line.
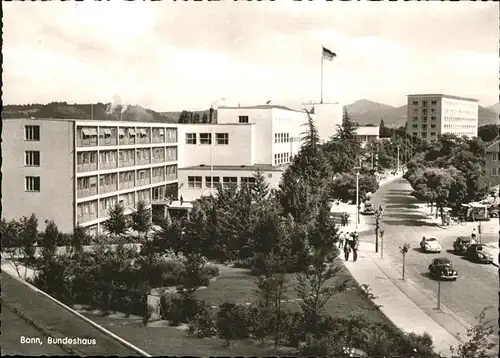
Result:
{"points": [[262, 106], [255, 167], [91, 122], [443, 95]]}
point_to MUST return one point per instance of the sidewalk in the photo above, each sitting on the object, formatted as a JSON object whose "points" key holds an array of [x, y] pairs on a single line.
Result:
{"points": [[392, 294]]}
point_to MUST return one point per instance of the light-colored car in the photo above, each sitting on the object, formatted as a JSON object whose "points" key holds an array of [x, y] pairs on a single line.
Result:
{"points": [[430, 244]]}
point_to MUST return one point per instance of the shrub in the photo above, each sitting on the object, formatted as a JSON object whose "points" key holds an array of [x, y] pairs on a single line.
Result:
{"points": [[261, 322], [171, 308], [203, 323], [245, 263], [173, 271], [294, 329], [232, 322]]}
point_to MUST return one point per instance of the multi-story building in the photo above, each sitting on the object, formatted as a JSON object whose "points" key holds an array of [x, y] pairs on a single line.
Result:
{"points": [[72, 171], [244, 140], [430, 115], [492, 159], [327, 117]]}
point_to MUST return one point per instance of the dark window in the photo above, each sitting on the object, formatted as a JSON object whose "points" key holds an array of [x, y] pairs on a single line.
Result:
{"points": [[32, 158], [32, 132], [32, 183], [243, 119]]}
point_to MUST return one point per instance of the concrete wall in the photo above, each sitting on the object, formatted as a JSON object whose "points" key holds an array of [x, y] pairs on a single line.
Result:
{"points": [[239, 151], [190, 194], [289, 122], [55, 199]]}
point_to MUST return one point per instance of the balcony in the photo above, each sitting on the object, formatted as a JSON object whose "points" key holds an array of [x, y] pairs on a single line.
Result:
{"points": [[83, 193], [127, 140], [110, 165], [158, 139], [159, 159], [142, 182], [158, 179], [127, 163], [127, 185], [86, 218], [142, 161], [143, 136], [87, 142], [108, 188], [107, 141], [90, 167], [170, 177]]}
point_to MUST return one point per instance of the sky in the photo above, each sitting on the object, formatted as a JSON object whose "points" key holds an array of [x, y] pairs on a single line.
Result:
{"points": [[170, 56]]}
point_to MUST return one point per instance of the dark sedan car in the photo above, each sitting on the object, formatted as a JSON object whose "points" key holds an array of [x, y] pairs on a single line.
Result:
{"points": [[442, 268], [461, 245], [479, 253], [369, 209]]}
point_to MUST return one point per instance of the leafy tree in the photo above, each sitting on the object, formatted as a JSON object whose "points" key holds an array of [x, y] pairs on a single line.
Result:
{"points": [[141, 218], [313, 288], [49, 240], [185, 117], [488, 132], [344, 186], [232, 322], [196, 118], [204, 118], [29, 239], [384, 132], [272, 288], [78, 239], [117, 223], [481, 340]]}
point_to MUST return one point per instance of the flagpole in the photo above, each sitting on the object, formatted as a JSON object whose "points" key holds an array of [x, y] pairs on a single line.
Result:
{"points": [[212, 162], [321, 75]]}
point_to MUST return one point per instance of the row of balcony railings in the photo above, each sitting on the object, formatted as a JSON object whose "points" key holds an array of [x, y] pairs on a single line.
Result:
{"points": [[90, 137], [122, 185], [89, 163]]}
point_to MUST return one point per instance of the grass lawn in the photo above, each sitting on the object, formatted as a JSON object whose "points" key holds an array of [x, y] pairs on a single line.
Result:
{"points": [[235, 285], [171, 341]]}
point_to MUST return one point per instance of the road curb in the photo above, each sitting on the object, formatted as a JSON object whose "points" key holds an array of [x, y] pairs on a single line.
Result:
{"points": [[92, 323]]}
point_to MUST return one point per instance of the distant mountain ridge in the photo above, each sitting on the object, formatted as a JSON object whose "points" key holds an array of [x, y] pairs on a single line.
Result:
{"points": [[495, 108], [366, 112], [98, 112]]}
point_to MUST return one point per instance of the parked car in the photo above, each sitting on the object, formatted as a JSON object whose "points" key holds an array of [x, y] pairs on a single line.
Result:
{"points": [[461, 245], [430, 244], [369, 209], [493, 211], [442, 268], [479, 253]]}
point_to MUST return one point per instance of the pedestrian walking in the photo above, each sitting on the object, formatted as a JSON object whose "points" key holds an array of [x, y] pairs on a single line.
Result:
{"points": [[347, 251], [355, 247], [341, 239]]}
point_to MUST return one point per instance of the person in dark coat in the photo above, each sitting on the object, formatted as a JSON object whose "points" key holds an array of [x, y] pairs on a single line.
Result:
{"points": [[355, 246], [347, 251]]}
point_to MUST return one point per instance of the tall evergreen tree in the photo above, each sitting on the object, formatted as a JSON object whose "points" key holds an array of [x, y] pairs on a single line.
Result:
{"points": [[141, 218], [204, 118], [117, 222]]}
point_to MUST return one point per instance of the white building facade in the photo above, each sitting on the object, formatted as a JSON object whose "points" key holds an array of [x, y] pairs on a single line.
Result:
{"points": [[244, 140], [431, 115]]}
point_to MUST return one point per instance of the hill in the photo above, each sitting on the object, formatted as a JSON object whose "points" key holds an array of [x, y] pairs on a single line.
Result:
{"points": [[175, 114], [365, 106], [495, 108], [396, 117], [98, 111]]}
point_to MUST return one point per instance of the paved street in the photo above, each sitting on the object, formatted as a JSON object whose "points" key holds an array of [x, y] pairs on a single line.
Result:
{"points": [[477, 286]]}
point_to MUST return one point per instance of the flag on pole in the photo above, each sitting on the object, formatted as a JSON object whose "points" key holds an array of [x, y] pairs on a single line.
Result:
{"points": [[328, 55]]}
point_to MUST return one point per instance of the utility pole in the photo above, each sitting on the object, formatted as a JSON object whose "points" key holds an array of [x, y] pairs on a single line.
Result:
{"points": [[357, 199], [397, 167], [404, 251], [378, 214], [439, 296]]}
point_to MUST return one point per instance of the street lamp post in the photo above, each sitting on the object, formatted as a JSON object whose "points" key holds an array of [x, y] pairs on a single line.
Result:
{"points": [[357, 196], [404, 251], [378, 214], [439, 296], [382, 243]]}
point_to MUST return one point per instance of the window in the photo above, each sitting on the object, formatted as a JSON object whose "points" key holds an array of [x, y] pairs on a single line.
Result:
{"points": [[495, 157], [205, 138], [141, 175], [32, 184], [247, 181], [32, 132], [243, 119], [433, 118], [222, 138], [424, 134], [190, 138], [433, 102], [208, 182], [424, 103], [230, 182], [433, 134], [495, 172], [194, 182], [433, 126], [415, 118], [32, 158], [415, 103], [415, 126]]}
